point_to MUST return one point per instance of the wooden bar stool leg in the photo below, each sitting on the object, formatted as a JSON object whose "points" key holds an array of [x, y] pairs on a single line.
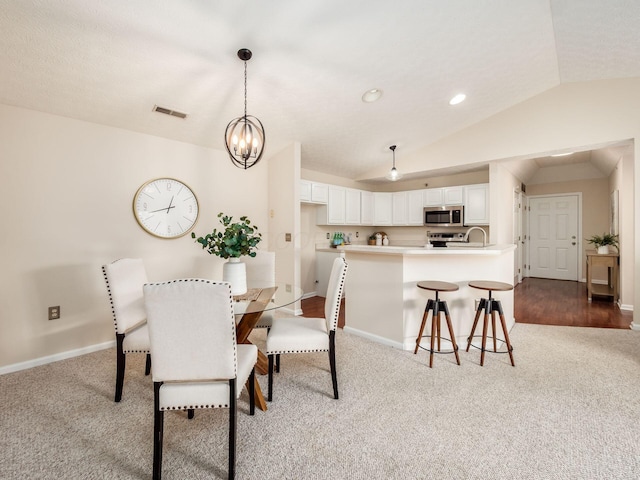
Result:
{"points": [[450, 326], [475, 322], [484, 334], [503, 322], [424, 321], [433, 336], [493, 326], [436, 314]]}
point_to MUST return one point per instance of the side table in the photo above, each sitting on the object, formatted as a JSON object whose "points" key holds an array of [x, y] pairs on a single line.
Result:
{"points": [[609, 260]]}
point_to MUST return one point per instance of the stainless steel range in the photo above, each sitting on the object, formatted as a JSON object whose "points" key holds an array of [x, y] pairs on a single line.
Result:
{"points": [[440, 239]]}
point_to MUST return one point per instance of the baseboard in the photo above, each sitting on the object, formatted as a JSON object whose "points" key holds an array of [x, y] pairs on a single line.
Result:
{"points": [[16, 367], [309, 295], [375, 338]]}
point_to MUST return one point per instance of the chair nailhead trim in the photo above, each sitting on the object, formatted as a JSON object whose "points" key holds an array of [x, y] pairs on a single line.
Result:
{"points": [[194, 407]]}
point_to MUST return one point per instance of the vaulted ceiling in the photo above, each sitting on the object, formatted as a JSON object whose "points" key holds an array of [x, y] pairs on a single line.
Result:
{"points": [[110, 62]]}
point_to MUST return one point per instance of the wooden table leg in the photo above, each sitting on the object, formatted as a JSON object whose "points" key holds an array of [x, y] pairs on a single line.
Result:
{"points": [[262, 365]]}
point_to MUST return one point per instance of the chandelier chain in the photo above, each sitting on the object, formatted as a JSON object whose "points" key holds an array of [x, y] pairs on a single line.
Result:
{"points": [[245, 88]]}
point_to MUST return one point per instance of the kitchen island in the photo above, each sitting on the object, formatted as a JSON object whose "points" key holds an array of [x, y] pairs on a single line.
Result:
{"points": [[386, 306]]}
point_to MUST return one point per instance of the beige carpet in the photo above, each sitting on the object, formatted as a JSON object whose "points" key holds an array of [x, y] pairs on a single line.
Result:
{"points": [[570, 409]]}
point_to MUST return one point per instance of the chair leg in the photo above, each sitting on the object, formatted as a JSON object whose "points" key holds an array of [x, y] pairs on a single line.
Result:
{"points": [[269, 396], [232, 428], [158, 427], [278, 363], [190, 413], [252, 392], [332, 362], [147, 368], [120, 364]]}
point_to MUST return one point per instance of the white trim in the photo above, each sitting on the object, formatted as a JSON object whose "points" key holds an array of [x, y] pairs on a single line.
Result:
{"points": [[375, 338], [16, 367]]}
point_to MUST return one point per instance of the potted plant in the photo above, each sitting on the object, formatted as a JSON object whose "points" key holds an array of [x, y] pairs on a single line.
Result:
{"points": [[602, 242], [233, 241]]}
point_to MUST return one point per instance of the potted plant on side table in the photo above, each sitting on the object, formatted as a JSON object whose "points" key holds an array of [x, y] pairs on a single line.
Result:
{"points": [[232, 242], [603, 242]]}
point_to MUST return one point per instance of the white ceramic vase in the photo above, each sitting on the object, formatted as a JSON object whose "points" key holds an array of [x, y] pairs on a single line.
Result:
{"points": [[603, 250], [235, 272]]}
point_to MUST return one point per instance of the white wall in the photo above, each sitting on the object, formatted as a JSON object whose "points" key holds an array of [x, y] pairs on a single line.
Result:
{"points": [[66, 209]]}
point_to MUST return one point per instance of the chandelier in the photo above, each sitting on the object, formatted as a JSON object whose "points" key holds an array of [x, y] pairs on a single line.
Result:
{"points": [[244, 136]]}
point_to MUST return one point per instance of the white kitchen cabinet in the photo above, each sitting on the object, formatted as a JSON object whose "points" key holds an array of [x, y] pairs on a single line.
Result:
{"points": [[436, 197], [333, 213], [476, 204], [305, 191], [433, 197], [352, 207], [382, 208], [366, 208], [453, 195], [399, 208], [415, 207], [313, 192]]}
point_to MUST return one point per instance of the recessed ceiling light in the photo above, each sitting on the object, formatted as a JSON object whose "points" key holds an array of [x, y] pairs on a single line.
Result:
{"points": [[457, 99], [371, 95], [563, 154]]}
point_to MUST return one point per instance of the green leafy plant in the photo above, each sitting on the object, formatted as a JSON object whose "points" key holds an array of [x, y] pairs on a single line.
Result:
{"points": [[232, 241], [604, 239]]}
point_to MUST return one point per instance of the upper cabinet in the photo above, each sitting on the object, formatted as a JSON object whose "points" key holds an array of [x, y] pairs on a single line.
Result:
{"points": [[366, 208], [343, 207], [352, 209], [382, 208], [399, 208], [476, 204], [435, 197], [414, 207], [313, 192]]}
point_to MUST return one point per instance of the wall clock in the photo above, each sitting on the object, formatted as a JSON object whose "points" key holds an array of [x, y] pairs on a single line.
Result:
{"points": [[165, 207]]}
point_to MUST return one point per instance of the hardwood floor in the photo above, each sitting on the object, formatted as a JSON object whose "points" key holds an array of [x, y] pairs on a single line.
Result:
{"points": [[314, 307], [560, 302], [541, 301]]}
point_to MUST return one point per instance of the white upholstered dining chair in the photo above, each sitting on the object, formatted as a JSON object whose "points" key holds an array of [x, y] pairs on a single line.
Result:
{"points": [[197, 363], [304, 335], [124, 279], [261, 273]]}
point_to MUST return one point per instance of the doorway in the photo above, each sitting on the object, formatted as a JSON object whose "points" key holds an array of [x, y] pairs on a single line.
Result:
{"points": [[554, 232]]}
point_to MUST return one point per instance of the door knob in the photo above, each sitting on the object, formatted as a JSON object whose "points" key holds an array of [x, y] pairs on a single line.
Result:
{"points": [[573, 243]]}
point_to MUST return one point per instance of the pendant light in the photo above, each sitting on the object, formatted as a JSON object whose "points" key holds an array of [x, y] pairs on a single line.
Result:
{"points": [[244, 136], [393, 174]]}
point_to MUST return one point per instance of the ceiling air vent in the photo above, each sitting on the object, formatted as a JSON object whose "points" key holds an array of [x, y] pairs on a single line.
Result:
{"points": [[168, 111]]}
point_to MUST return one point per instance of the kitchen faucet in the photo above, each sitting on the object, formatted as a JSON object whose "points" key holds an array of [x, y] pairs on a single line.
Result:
{"points": [[484, 235]]}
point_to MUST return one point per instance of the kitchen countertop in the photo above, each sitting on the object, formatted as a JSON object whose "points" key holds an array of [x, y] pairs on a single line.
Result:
{"points": [[449, 250]]}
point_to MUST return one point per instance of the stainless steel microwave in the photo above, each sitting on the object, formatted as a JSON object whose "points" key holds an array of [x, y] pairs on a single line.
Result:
{"points": [[445, 216]]}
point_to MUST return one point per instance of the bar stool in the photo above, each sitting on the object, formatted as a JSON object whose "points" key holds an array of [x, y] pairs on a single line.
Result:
{"points": [[490, 306], [436, 306]]}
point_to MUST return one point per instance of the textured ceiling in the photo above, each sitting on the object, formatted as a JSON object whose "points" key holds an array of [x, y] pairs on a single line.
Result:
{"points": [[110, 62]]}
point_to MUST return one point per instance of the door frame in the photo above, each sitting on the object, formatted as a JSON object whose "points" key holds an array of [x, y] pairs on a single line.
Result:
{"points": [[580, 246]]}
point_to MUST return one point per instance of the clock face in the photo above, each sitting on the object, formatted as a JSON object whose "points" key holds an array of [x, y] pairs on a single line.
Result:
{"points": [[165, 207]]}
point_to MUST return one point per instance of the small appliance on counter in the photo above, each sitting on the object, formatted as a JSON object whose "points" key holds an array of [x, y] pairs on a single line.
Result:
{"points": [[442, 238]]}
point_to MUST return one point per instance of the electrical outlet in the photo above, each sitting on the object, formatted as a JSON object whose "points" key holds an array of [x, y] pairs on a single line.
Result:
{"points": [[328, 236], [288, 288], [54, 312]]}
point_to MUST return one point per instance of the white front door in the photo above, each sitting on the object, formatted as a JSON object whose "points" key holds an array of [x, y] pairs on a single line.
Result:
{"points": [[553, 229]]}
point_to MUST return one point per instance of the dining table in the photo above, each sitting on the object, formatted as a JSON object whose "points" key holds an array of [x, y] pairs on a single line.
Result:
{"points": [[249, 307]]}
